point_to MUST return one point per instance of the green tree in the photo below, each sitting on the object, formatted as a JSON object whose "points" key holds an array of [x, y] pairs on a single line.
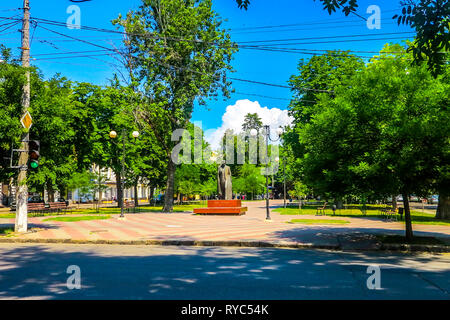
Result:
{"points": [[12, 78], [181, 56], [84, 182], [249, 181], [319, 76], [208, 188], [300, 191], [382, 134], [252, 121], [54, 115], [111, 109], [316, 79]]}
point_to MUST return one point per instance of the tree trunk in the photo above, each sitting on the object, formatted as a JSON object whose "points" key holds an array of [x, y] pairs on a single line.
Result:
{"points": [[408, 223], [168, 196], [136, 196], [50, 192], [119, 190], [150, 196], [394, 202], [443, 209], [1, 194]]}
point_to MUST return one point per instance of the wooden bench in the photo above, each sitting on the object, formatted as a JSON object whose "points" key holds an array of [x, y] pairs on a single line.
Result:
{"points": [[321, 211], [128, 205], [36, 208], [57, 206], [389, 213], [222, 207]]}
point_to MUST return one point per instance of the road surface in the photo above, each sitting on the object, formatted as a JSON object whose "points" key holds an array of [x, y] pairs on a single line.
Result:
{"points": [[30, 271]]}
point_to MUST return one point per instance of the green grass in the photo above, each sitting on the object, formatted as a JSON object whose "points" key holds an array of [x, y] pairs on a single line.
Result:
{"points": [[110, 210], [355, 212], [395, 239], [318, 221], [141, 209], [8, 216], [81, 218]]}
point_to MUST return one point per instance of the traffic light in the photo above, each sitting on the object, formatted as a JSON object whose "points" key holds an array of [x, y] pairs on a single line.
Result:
{"points": [[34, 147]]}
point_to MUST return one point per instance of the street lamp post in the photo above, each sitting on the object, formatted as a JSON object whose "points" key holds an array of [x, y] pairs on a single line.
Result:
{"points": [[267, 134], [113, 135]]}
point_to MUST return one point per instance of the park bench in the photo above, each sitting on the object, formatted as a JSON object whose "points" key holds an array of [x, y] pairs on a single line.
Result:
{"points": [[390, 214], [37, 208], [128, 205], [321, 211], [57, 207], [222, 207]]}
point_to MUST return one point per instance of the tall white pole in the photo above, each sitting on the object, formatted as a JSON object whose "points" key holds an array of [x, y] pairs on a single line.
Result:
{"points": [[21, 223]]}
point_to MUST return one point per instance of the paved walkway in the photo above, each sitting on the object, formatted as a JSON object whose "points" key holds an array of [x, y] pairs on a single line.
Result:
{"points": [[252, 227]]}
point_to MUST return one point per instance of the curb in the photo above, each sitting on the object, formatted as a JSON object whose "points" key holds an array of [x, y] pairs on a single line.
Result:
{"points": [[242, 244], [194, 243], [415, 248]]}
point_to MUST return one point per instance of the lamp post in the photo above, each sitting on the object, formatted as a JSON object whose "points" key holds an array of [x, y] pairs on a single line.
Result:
{"points": [[266, 131], [113, 135], [277, 159]]}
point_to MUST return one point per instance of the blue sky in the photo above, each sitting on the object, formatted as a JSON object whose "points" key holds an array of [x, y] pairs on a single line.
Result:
{"points": [[306, 17]]}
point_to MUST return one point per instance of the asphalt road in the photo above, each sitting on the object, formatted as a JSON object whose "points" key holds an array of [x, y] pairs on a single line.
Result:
{"points": [[151, 272]]}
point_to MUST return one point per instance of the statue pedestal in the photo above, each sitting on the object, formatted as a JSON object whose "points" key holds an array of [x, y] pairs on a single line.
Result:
{"points": [[223, 207]]}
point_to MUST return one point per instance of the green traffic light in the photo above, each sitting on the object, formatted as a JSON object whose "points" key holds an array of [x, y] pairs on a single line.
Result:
{"points": [[34, 164]]}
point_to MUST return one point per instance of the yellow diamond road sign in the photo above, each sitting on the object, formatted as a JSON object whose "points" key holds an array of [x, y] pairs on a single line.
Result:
{"points": [[26, 120]]}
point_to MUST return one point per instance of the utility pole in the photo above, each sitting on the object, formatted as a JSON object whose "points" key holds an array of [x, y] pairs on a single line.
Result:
{"points": [[21, 224]]}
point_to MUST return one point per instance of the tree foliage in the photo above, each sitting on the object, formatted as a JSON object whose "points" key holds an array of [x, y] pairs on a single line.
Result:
{"points": [[385, 132], [250, 180], [181, 56], [252, 121]]}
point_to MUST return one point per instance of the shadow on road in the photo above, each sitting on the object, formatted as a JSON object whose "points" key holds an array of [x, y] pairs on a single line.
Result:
{"points": [[147, 272]]}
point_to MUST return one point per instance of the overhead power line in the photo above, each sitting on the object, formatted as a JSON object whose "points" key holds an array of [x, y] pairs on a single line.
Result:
{"points": [[261, 96], [328, 37], [265, 31], [236, 79], [8, 25], [61, 24], [328, 21]]}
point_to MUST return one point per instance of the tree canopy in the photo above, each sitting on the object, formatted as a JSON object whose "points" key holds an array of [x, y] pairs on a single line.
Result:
{"points": [[382, 132], [176, 63]]}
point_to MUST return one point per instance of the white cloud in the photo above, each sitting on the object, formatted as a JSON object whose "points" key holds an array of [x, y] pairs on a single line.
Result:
{"points": [[234, 118]]}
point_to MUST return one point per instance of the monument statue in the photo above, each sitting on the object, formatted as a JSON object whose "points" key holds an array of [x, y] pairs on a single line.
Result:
{"points": [[225, 189], [225, 205]]}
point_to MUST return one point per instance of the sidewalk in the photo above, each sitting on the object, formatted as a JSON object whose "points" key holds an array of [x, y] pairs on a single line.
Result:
{"points": [[248, 230]]}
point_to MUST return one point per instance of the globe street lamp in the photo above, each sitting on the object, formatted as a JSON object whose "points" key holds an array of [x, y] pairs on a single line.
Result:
{"points": [[266, 131], [113, 135]]}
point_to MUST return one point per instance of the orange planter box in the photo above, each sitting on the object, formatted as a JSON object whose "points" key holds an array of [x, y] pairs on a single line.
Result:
{"points": [[222, 207]]}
